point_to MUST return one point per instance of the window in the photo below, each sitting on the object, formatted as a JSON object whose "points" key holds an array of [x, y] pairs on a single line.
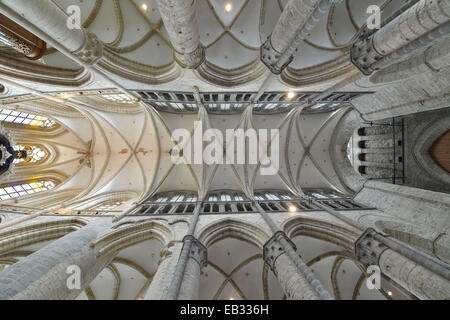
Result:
{"points": [[212, 198], [16, 191], [108, 206], [177, 198], [350, 150], [119, 98], [225, 197], [17, 117], [161, 199], [35, 154]]}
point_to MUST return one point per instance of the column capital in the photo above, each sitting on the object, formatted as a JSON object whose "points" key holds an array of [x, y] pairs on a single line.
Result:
{"points": [[367, 249], [197, 251], [270, 57], [191, 60], [92, 49], [274, 248], [363, 53]]}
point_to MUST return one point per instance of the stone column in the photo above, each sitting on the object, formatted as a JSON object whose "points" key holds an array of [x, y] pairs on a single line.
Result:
{"points": [[191, 279], [420, 281], [164, 274], [417, 206], [295, 284], [297, 19], [44, 274], [404, 32], [434, 59], [50, 19], [410, 25], [53, 21], [181, 25], [189, 289], [187, 275]]}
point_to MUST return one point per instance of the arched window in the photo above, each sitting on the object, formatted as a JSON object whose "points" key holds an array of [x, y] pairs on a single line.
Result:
{"points": [[35, 153], [275, 195], [107, 206], [23, 118], [18, 190], [119, 98]]}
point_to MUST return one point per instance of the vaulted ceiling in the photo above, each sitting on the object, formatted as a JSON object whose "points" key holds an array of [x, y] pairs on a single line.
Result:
{"points": [[231, 39]]}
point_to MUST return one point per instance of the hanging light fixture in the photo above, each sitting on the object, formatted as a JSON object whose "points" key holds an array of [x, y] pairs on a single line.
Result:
{"points": [[21, 40]]}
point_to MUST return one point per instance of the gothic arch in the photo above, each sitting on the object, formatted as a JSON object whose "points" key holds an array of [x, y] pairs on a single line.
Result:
{"points": [[30, 71], [139, 231], [436, 244], [424, 142], [224, 235], [320, 229], [344, 130], [13, 239], [233, 228], [97, 200]]}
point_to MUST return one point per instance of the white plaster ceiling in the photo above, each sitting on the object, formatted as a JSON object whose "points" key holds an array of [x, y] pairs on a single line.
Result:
{"points": [[236, 272], [308, 171], [327, 256], [232, 40]]}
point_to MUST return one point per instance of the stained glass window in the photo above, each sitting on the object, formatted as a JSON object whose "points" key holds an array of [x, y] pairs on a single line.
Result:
{"points": [[35, 154], [17, 117], [19, 190]]}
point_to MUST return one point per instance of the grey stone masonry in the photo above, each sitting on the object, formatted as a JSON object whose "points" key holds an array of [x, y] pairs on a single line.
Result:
{"points": [[294, 283], [160, 284], [418, 280], [435, 58], [417, 206], [367, 249], [423, 282], [186, 274], [181, 25], [45, 274], [198, 252], [273, 249], [297, 19], [48, 17], [410, 25], [369, 51], [191, 281]]}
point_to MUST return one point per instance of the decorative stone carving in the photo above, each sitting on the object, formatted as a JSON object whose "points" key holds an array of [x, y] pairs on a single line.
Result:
{"points": [[92, 50], [269, 56], [367, 249], [273, 249], [363, 53], [198, 251], [191, 60]]}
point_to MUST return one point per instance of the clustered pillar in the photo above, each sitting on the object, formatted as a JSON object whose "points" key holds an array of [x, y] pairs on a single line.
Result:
{"points": [[185, 281], [181, 25], [415, 28], [295, 277], [45, 273], [297, 19], [417, 279], [294, 283]]}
